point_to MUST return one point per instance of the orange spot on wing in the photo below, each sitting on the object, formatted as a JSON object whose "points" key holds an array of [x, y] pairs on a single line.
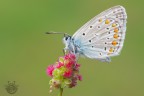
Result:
{"points": [[109, 54], [115, 36], [116, 30], [113, 25], [114, 43], [107, 21], [100, 20], [111, 50]]}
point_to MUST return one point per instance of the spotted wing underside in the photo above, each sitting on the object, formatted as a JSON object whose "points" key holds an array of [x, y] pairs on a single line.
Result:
{"points": [[103, 36]]}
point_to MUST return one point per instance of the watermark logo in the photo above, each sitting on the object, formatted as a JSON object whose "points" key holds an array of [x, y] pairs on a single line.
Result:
{"points": [[11, 87]]}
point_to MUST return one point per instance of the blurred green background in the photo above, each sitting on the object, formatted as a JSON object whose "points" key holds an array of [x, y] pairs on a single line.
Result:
{"points": [[25, 51]]}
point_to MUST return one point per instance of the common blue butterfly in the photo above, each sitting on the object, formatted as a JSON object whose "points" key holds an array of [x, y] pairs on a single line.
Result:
{"points": [[100, 38]]}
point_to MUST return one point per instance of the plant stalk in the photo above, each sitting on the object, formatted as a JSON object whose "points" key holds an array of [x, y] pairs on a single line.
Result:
{"points": [[61, 91]]}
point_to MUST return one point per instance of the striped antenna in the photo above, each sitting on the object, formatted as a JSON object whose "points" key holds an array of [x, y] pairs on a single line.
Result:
{"points": [[65, 34]]}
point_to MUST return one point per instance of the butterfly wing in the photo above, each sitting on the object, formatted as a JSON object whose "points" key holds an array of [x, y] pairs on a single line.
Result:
{"points": [[103, 36]]}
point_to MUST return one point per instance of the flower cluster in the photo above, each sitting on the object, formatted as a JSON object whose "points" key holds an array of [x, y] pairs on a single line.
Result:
{"points": [[65, 72]]}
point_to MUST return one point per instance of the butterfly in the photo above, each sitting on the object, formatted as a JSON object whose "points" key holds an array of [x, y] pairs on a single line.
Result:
{"points": [[100, 38]]}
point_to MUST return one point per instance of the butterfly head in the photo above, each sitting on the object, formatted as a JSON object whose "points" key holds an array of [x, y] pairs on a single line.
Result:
{"points": [[67, 39], [69, 45]]}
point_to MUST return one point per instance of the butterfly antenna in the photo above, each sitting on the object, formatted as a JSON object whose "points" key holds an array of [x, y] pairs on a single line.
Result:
{"points": [[65, 34]]}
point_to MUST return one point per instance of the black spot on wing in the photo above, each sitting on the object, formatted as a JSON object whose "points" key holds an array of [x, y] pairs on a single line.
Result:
{"points": [[83, 34], [105, 48], [90, 26]]}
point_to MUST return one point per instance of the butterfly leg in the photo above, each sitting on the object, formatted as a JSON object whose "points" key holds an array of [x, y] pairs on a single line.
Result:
{"points": [[64, 51]]}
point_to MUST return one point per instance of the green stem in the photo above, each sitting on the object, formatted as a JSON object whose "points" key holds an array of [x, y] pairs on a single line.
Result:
{"points": [[61, 91]]}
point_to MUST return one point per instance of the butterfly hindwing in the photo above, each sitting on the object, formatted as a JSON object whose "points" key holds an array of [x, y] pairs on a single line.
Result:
{"points": [[103, 36]]}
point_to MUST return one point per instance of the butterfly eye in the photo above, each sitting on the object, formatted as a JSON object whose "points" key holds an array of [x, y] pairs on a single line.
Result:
{"points": [[83, 34], [66, 38]]}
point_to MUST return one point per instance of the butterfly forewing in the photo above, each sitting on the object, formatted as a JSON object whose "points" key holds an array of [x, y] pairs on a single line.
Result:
{"points": [[103, 35]]}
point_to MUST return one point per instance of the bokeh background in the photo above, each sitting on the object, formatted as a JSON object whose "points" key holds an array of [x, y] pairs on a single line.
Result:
{"points": [[25, 51]]}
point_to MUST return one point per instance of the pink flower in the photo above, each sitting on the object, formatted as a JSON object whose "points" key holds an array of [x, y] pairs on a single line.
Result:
{"points": [[49, 70], [73, 83], [70, 60], [69, 64], [70, 56], [66, 56], [80, 77], [59, 65], [77, 66], [67, 74]]}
